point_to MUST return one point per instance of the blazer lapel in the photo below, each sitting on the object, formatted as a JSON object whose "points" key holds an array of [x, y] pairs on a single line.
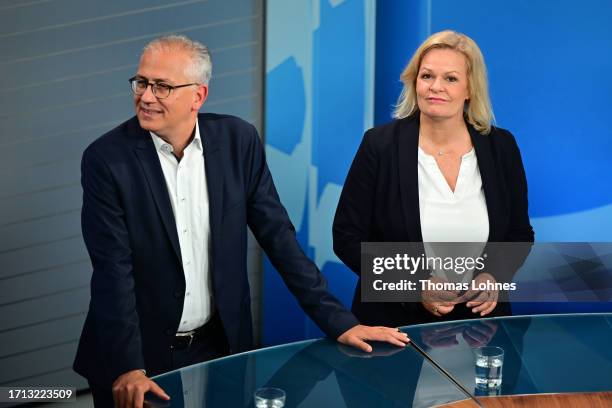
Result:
{"points": [[490, 181], [147, 155], [407, 136], [213, 165]]}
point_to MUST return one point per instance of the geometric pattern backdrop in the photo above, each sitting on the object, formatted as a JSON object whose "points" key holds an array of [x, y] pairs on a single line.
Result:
{"points": [[319, 101]]}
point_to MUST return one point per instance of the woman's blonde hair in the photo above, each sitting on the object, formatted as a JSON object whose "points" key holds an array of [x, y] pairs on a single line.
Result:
{"points": [[478, 111]]}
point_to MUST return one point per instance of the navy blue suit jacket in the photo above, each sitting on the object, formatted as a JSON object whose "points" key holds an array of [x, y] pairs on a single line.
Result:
{"points": [[380, 203], [138, 284]]}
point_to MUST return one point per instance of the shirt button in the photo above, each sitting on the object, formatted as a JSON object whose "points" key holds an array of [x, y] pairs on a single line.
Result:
{"points": [[184, 321], [188, 293], [185, 231]]}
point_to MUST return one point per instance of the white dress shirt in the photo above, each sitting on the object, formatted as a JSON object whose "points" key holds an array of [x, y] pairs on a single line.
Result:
{"points": [[186, 182], [447, 216]]}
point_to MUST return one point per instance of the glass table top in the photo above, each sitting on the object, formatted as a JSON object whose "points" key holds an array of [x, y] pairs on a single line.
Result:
{"points": [[543, 354]]}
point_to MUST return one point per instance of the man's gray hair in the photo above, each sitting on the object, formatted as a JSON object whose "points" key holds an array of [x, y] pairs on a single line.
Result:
{"points": [[201, 67]]}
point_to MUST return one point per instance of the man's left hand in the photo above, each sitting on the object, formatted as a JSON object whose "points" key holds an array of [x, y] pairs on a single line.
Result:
{"points": [[357, 335]]}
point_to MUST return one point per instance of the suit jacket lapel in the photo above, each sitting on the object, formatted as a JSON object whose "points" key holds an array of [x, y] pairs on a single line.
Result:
{"points": [[490, 180], [214, 177], [147, 155], [407, 135]]}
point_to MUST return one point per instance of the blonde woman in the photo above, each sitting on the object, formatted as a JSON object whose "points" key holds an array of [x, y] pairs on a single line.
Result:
{"points": [[439, 172]]}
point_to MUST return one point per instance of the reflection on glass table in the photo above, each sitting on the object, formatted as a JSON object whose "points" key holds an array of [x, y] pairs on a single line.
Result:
{"points": [[542, 354]]}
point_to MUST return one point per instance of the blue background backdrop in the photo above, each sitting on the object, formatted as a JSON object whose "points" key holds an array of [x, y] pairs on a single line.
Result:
{"points": [[331, 77]]}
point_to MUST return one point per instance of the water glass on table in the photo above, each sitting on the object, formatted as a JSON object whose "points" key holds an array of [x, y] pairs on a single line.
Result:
{"points": [[269, 397], [489, 362]]}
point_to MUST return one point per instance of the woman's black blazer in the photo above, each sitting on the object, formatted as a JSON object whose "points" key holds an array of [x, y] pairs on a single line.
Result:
{"points": [[380, 199]]}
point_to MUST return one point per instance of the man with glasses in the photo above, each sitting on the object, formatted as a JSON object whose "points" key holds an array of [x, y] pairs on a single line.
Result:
{"points": [[167, 197]]}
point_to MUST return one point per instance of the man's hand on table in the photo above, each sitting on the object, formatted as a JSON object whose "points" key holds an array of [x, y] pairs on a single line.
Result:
{"points": [[356, 336], [129, 389]]}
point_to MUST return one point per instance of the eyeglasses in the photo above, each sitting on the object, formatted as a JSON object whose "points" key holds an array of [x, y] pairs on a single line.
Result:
{"points": [[160, 90]]}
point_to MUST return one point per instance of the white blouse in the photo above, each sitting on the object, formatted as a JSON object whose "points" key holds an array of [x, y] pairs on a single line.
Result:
{"points": [[447, 216]]}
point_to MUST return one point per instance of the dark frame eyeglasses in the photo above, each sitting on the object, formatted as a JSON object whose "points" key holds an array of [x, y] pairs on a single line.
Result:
{"points": [[161, 90]]}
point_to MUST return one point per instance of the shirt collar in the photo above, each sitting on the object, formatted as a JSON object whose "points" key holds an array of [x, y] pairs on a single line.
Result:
{"points": [[162, 146]]}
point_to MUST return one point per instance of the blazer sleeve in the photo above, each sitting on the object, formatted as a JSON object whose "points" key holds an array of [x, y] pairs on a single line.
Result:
{"points": [[113, 301], [270, 224], [352, 222], [504, 259], [520, 229]]}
